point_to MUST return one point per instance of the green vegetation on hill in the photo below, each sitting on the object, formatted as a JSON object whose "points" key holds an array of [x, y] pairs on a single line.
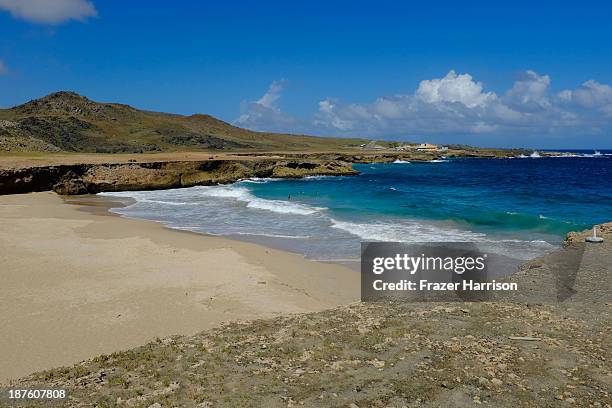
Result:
{"points": [[66, 121]]}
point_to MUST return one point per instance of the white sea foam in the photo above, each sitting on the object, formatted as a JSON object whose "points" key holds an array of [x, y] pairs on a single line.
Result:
{"points": [[398, 161], [535, 155], [536, 242], [283, 207], [239, 193], [261, 234], [254, 181], [437, 161], [170, 196], [244, 195], [594, 154], [189, 196], [319, 177], [146, 197], [179, 203], [416, 232], [404, 232], [259, 180], [239, 212]]}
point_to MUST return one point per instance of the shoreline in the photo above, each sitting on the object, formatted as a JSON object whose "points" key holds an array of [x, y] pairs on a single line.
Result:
{"points": [[77, 174], [109, 202], [278, 282], [132, 281], [548, 241], [102, 205]]}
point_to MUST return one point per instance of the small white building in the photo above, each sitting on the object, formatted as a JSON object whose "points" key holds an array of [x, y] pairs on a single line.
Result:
{"points": [[427, 147]]}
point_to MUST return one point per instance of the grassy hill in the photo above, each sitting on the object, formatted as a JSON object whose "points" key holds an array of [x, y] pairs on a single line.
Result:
{"points": [[67, 121]]}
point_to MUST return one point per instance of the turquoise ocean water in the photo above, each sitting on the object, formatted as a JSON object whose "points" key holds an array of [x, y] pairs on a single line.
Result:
{"points": [[519, 207]]}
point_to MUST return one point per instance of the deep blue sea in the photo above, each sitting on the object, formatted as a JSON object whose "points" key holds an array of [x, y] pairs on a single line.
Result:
{"points": [[520, 207]]}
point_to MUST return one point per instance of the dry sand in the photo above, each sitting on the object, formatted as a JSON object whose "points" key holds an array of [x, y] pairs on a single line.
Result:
{"points": [[76, 284]]}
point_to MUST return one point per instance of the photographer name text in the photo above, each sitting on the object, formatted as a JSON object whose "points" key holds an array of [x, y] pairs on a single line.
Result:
{"points": [[425, 285]]}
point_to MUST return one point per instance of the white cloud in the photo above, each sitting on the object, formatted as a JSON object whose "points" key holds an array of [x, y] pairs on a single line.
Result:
{"points": [[530, 91], [3, 68], [273, 94], [263, 114], [591, 95], [565, 96], [49, 11], [328, 116], [457, 104], [452, 105], [454, 88]]}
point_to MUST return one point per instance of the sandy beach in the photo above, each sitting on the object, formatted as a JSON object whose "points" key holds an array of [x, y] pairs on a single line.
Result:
{"points": [[76, 284]]}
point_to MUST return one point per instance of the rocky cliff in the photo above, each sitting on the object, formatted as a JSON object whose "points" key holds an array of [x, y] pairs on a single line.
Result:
{"points": [[94, 178], [82, 174]]}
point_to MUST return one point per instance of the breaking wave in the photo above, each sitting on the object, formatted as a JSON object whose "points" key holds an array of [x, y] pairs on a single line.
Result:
{"points": [[404, 232], [188, 197], [244, 195], [417, 232]]}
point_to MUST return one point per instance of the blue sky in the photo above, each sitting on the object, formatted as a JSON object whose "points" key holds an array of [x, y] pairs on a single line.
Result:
{"points": [[519, 74]]}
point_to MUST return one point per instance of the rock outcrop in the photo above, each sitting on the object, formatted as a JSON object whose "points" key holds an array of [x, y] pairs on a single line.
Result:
{"points": [[94, 178], [603, 230]]}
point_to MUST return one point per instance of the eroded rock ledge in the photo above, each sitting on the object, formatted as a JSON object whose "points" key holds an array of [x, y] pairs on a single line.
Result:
{"points": [[95, 178], [66, 175]]}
